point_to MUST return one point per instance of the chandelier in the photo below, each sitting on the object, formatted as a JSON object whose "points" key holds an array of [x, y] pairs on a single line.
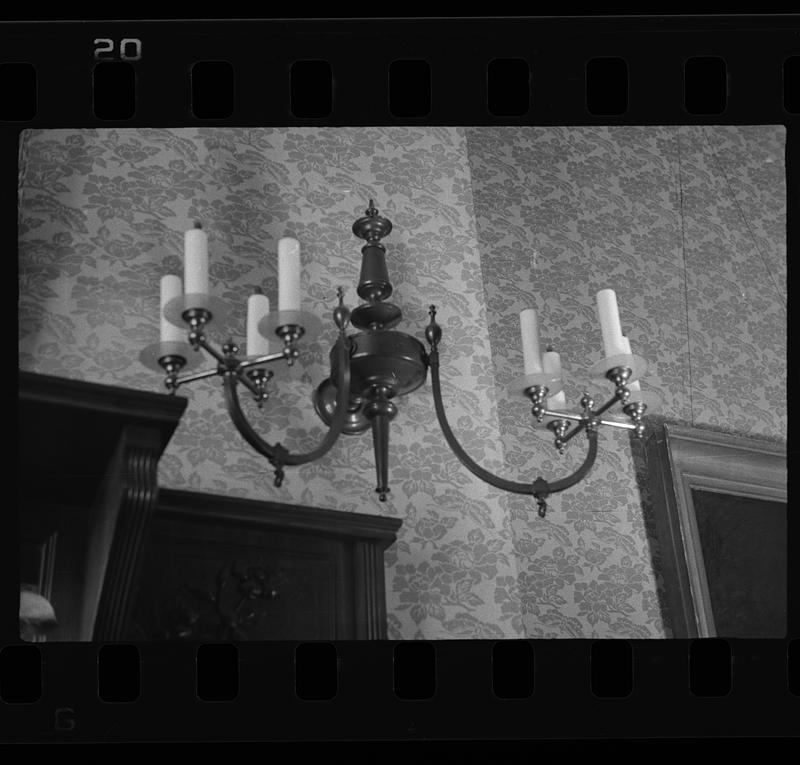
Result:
{"points": [[375, 366]]}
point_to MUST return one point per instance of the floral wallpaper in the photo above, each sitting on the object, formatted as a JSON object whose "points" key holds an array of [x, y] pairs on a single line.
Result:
{"points": [[685, 223]]}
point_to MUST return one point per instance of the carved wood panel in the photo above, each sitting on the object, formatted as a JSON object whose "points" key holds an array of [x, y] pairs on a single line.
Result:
{"points": [[211, 584], [218, 568]]}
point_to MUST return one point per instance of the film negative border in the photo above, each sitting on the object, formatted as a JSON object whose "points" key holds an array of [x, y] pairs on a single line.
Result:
{"points": [[479, 72], [638, 71], [414, 690]]}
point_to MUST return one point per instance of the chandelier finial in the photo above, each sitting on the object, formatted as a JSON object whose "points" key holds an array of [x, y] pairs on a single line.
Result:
{"points": [[374, 284], [372, 226], [341, 314], [433, 332]]}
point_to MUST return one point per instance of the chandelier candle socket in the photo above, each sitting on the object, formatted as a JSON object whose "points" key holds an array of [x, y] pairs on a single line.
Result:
{"points": [[608, 314], [531, 356], [257, 309], [171, 287], [374, 367], [195, 262], [626, 348], [551, 363], [288, 274]]}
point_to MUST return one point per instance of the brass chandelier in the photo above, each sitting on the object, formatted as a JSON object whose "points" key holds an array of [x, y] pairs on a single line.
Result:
{"points": [[376, 365]]}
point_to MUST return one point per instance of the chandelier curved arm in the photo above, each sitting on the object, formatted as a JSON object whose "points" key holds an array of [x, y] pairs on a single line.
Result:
{"points": [[277, 454], [539, 487]]}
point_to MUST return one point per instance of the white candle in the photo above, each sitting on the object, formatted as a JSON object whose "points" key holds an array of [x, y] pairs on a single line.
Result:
{"points": [[551, 363], [257, 309], [195, 261], [288, 274], [608, 314], [529, 325], [626, 348], [170, 288]]}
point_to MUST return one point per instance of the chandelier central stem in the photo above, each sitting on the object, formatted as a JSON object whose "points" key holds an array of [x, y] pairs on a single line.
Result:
{"points": [[374, 284]]}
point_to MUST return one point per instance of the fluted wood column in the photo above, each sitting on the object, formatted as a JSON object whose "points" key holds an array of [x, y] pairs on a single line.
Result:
{"points": [[126, 502], [370, 595]]}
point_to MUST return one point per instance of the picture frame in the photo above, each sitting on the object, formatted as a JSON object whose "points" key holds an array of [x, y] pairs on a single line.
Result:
{"points": [[714, 493]]}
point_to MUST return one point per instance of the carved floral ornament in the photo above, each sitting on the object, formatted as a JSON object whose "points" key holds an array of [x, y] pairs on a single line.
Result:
{"points": [[237, 603]]}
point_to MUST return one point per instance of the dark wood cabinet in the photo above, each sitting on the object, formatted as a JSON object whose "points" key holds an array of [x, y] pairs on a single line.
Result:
{"points": [[87, 490], [120, 559]]}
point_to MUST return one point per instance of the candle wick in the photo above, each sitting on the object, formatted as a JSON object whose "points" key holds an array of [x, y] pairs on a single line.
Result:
{"points": [[198, 224], [258, 291], [549, 348]]}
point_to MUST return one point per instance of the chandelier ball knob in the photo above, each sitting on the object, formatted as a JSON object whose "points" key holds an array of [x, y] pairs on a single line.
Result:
{"points": [[341, 315], [380, 408], [433, 333]]}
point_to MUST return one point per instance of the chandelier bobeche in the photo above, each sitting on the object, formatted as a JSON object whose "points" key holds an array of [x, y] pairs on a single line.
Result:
{"points": [[376, 365]]}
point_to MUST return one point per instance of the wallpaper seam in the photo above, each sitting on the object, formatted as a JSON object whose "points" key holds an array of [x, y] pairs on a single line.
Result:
{"points": [[497, 424], [469, 144], [685, 275]]}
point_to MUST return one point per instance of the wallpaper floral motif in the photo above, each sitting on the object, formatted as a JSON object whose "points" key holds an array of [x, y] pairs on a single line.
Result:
{"points": [[683, 222]]}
